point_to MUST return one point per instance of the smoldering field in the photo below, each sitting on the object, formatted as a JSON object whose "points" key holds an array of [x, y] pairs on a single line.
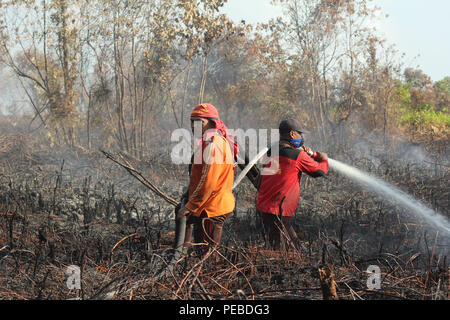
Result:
{"points": [[61, 207]]}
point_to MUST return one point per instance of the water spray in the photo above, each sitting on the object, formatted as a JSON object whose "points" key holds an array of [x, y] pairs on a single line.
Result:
{"points": [[390, 192]]}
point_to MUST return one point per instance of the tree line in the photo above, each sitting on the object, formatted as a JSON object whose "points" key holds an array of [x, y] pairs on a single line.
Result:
{"points": [[124, 73]]}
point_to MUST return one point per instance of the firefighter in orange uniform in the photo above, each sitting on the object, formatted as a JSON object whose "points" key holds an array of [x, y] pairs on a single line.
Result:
{"points": [[209, 201]]}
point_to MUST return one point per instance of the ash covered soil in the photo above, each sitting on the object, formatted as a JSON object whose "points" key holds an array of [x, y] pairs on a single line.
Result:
{"points": [[73, 207]]}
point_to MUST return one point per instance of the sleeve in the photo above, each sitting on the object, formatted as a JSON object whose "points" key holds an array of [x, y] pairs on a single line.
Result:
{"points": [[207, 181], [311, 167]]}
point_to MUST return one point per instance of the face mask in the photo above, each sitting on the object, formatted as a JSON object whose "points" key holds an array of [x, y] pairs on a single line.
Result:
{"points": [[297, 142]]}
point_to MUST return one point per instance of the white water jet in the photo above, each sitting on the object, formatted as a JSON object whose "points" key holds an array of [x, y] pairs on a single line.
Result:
{"points": [[388, 191]]}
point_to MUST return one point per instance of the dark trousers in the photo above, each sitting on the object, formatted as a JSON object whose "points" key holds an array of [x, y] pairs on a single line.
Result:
{"points": [[277, 230], [208, 229]]}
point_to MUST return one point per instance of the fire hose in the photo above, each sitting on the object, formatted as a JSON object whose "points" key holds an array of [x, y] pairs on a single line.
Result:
{"points": [[248, 169], [182, 231]]}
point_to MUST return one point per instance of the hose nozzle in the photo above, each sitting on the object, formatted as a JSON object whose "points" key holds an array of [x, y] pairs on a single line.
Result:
{"points": [[311, 153]]}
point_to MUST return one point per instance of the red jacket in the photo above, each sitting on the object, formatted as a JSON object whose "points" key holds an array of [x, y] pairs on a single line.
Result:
{"points": [[280, 182]]}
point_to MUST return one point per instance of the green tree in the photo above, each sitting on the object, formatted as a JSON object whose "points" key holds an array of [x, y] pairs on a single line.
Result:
{"points": [[424, 112]]}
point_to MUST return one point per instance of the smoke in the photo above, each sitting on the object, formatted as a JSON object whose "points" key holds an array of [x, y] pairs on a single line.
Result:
{"points": [[402, 151]]}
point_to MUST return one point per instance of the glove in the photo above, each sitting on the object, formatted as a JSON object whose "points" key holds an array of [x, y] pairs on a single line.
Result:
{"points": [[321, 156]]}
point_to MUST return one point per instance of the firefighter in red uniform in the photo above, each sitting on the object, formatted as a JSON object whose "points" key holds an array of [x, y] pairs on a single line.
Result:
{"points": [[279, 190]]}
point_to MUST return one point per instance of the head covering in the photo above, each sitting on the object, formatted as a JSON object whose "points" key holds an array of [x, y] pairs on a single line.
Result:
{"points": [[291, 124], [208, 111]]}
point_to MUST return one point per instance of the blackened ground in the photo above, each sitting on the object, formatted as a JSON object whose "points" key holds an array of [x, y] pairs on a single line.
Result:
{"points": [[73, 207]]}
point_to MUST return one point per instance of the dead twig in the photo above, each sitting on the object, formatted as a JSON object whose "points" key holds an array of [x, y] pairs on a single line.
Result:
{"points": [[136, 174]]}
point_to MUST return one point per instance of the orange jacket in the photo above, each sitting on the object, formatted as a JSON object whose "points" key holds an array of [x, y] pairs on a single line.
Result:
{"points": [[212, 179]]}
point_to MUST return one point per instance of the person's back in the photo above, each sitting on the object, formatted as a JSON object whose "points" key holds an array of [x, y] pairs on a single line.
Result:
{"points": [[279, 190]]}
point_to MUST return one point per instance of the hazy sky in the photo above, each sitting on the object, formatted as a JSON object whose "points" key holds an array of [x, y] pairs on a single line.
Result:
{"points": [[418, 28]]}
